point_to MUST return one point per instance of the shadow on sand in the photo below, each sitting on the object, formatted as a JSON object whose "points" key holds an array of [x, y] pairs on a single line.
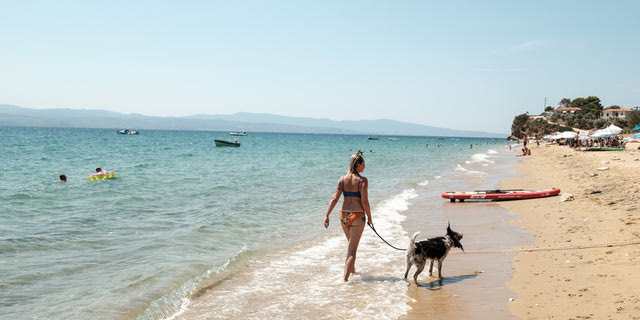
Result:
{"points": [[429, 283], [436, 284]]}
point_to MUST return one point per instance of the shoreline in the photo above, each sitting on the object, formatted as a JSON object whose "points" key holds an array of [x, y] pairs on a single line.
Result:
{"points": [[473, 285], [596, 282]]}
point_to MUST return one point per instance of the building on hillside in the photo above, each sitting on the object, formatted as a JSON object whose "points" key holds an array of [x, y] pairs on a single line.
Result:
{"points": [[568, 110], [615, 113]]}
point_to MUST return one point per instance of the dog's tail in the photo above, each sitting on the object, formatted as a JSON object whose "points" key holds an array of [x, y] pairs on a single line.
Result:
{"points": [[412, 244]]}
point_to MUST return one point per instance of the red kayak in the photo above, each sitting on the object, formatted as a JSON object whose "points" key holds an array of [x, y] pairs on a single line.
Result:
{"points": [[516, 194]]}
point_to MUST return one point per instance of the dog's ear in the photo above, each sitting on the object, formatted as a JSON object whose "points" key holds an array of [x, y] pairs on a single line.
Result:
{"points": [[449, 226]]}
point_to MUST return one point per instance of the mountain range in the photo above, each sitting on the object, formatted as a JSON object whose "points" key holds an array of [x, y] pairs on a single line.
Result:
{"points": [[15, 116]]}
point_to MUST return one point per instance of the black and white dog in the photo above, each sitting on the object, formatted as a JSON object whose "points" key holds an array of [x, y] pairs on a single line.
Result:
{"points": [[431, 249]]}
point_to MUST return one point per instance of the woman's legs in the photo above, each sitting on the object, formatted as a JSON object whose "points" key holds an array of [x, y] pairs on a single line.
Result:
{"points": [[353, 234]]}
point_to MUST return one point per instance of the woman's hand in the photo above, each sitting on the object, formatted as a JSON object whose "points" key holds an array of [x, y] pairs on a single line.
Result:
{"points": [[326, 221]]}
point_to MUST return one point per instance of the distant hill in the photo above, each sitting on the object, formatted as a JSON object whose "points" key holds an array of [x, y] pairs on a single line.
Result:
{"points": [[14, 116]]}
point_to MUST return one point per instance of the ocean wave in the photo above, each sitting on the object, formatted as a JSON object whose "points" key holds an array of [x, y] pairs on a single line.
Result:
{"points": [[480, 158], [175, 303], [304, 280], [469, 172]]}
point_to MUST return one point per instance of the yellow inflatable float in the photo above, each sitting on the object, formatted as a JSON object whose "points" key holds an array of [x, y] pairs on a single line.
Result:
{"points": [[102, 175]]}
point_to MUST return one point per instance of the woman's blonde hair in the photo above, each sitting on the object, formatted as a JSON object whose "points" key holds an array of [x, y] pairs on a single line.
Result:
{"points": [[354, 162]]}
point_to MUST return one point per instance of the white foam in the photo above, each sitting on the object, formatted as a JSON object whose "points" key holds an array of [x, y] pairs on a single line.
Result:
{"points": [[184, 306], [467, 171], [376, 291], [423, 183], [191, 286], [480, 158]]}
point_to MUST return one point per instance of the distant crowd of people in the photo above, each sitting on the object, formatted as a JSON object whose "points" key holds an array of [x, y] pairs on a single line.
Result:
{"points": [[612, 142]]}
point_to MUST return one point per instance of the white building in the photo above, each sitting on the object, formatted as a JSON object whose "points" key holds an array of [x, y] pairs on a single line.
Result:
{"points": [[616, 113]]}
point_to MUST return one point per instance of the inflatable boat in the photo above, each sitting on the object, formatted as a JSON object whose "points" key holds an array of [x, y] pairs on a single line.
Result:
{"points": [[514, 194]]}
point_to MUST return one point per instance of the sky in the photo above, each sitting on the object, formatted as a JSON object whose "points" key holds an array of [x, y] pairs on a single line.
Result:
{"points": [[467, 65]]}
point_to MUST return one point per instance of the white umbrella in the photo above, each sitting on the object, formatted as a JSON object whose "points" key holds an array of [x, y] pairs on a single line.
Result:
{"points": [[583, 137], [613, 129], [602, 133], [567, 135]]}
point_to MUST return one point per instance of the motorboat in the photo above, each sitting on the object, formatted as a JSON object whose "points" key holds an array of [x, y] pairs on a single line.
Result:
{"points": [[238, 133], [225, 143], [127, 131]]}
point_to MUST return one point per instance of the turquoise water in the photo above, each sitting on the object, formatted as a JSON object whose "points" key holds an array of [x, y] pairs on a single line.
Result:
{"points": [[189, 229]]}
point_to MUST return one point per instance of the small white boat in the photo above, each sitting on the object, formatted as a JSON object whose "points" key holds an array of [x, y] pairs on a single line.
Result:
{"points": [[394, 139], [238, 133], [127, 131], [225, 143]]}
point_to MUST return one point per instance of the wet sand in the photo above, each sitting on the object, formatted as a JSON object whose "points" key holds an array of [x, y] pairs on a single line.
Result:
{"points": [[473, 285], [591, 283]]}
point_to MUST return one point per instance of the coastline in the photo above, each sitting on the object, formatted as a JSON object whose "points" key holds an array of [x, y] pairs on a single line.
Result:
{"points": [[597, 282], [473, 285]]}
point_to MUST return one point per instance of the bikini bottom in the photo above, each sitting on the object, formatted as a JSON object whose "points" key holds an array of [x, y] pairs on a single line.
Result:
{"points": [[348, 218]]}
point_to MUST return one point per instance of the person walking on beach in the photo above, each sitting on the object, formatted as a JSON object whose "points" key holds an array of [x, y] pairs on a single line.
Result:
{"points": [[355, 206]]}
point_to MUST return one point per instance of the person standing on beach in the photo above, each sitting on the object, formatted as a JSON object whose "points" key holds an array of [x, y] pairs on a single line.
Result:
{"points": [[355, 206]]}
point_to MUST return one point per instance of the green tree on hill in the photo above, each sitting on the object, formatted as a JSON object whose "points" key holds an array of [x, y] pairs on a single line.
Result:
{"points": [[588, 118], [591, 107], [523, 126], [634, 118]]}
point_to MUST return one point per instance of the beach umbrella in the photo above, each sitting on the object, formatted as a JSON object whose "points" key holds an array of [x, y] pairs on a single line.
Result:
{"points": [[614, 129], [583, 137], [637, 127], [636, 136], [606, 132], [601, 134], [567, 135]]}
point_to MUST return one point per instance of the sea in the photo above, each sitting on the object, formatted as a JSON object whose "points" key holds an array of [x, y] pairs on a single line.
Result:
{"points": [[188, 230]]}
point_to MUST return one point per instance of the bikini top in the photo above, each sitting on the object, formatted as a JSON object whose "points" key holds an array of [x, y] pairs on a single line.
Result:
{"points": [[355, 194]]}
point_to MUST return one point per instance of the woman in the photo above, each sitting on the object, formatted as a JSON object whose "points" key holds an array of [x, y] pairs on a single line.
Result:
{"points": [[354, 208]]}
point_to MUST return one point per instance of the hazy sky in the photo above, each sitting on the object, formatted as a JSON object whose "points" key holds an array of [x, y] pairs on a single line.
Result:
{"points": [[455, 64]]}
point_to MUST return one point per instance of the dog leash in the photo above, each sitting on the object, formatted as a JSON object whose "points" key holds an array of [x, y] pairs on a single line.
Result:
{"points": [[381, 238]]}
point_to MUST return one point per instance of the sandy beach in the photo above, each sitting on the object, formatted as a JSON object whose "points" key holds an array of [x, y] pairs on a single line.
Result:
{"points": [[586, 279], [597, 282]]}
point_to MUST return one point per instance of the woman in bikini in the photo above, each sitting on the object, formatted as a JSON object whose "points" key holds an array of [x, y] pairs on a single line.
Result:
{"points": [[354, 208]]}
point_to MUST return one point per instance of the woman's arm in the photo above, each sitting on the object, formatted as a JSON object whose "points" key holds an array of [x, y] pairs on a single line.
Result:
{"points": [[364, 192], [332, 203]]}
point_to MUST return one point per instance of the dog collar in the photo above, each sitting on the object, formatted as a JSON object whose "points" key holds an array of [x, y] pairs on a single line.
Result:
{"points": [[451, 243]]}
